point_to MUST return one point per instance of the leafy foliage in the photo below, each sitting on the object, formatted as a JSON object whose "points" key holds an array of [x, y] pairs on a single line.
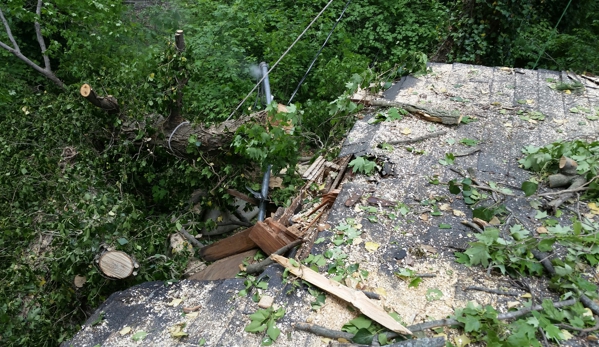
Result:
{"points": [[546, 159], [264, 320]]}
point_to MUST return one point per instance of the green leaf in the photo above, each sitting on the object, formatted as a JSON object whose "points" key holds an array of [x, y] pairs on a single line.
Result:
{"points": [[273, 332], [483, 213], [471, 324], [433, 294], [255, 326], [454, 188], [478, 253], [529, 188], [122, 241], [444, 226], [363, 337], [361, 322], [469, 142], [415, 282], [139, 336]]}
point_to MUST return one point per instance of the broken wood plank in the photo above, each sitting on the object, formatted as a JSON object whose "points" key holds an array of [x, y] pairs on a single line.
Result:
{"points": [[270, 239], [235, 244], [357, 298], [314, 169], [342, 167], [224, 268]]}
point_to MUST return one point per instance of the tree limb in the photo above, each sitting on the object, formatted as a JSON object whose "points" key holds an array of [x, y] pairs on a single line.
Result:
{"points": [[40, 38], [17, 52]]}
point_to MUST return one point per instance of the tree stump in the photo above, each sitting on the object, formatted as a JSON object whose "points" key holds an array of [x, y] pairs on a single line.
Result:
{"points": [[116, 264]]}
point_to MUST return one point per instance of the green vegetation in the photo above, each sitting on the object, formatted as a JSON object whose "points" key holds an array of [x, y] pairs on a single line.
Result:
{"points": [[73, 182]]}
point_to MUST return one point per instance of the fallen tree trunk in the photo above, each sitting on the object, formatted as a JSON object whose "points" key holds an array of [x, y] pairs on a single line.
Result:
{"points": [[211, 138]]}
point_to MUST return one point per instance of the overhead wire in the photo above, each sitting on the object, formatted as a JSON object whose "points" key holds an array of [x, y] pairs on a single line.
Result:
{"points": [[318, 53], [280, 58]]}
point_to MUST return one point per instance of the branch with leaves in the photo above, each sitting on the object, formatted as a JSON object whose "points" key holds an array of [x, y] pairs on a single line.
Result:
{"points": [[16, 51]]}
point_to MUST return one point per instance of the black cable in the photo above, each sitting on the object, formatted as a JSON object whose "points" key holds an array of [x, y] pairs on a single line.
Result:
{"points": [[318, 53]]}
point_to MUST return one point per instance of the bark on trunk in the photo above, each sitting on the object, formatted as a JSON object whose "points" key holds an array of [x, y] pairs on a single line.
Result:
{"points": [[212, 138]]}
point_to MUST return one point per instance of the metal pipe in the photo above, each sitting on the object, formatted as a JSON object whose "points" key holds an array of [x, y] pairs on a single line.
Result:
{"points": [[264, 194], [265, 82]]}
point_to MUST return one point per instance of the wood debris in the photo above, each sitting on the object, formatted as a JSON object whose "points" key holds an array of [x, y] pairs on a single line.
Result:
{"points": [[355, 297]]}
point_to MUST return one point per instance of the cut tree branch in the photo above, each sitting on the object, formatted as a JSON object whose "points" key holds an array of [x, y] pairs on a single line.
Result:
{"points": [[40, 38], [47, 72]]}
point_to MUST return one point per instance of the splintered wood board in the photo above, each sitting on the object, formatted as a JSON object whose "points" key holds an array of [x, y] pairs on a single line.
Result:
{"points": [[235, 244], [355, 297]]}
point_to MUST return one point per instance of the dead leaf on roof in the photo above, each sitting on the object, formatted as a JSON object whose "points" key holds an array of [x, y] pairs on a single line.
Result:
{"points": [[459, 213], [175, 302], [371, 246], [125, 331]]}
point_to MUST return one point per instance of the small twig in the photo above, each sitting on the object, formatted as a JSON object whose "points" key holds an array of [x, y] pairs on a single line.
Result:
{"points": [[582, 330], [190, 238], [191, 309], [492, 291], [545, 342], [492, 189], [425, 275], [473, 226], [467, 153], [371, 295], [259, 267], [419, 138]]}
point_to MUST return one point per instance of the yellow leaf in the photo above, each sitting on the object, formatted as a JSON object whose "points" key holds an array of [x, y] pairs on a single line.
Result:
{"points": [[587, 312], [219, 219], [507, 125], [567, 91], [459, 213], [444, 207], [381, 291], [371, 246], [530, 102], [358, 240], [406, 131], [461, 341], [566, 334], [526, 296], [175, 302], [192, 314], [594, 208], [125, 331]]}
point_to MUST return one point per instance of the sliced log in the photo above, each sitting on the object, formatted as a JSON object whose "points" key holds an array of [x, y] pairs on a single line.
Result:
{"points": [[567, 166], [116, 264], [560, 180], [235, 244], [108, 103], [426, 113]]}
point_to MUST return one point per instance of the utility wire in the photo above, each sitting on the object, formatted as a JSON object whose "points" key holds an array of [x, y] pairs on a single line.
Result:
{"points": [[552, 33], [318, 53], [282, 56]]}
